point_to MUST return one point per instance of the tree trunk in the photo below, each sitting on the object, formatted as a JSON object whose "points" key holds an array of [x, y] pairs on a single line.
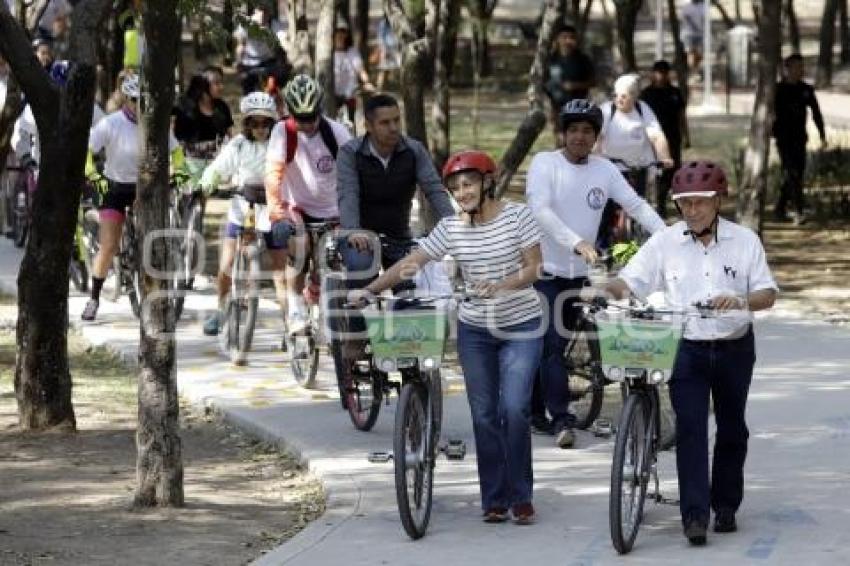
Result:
{"points": [[535, 119], [159, 462], [843, 32], [481, 12], [325, 54], [12, 108], [680, 59], [298, 50], [581, 25], [63, 115], [823, 75], [627, 12], [441, 109], [793, 26], [754, 183], [728, 23], [361, 30]]}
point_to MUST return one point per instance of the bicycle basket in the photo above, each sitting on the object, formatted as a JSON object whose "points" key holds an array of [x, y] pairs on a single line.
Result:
{"points": [[404, 339], [631, 348]]}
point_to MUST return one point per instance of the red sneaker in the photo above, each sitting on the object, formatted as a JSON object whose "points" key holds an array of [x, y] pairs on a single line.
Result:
{"points": [[523, 513]]}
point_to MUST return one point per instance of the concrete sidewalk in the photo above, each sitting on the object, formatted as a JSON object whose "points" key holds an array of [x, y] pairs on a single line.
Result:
{"points": [[797, 502]]}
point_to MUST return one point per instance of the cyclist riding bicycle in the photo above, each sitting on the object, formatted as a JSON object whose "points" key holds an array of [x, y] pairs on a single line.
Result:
{"points": [[377, 178], [301, 181], [118, 135], [631, 133], [497, 246], [706, 258], [567, 190], [242, 161]]}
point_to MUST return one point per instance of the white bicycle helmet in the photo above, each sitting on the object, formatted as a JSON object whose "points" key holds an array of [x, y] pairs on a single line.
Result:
{"points": [[303, 96], [130, 86], [258, 104]]}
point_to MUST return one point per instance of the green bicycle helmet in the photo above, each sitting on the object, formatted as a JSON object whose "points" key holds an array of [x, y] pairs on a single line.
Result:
{"points": [[303, 97]]}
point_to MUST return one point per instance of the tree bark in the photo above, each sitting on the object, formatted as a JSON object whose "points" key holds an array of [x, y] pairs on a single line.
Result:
{"points": [[63, 116], [159, 462], [823, 75], [754, 183], [361, 30], [793, 26], [843, 32], [535, 119], [680, 58], [626, 13], [441, 109], [481, 12], [728, 23], [298, 50], [325, 54]]}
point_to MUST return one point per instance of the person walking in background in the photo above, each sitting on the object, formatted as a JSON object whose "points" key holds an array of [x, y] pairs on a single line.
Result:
{"points": [[793, 97], [692, 20], [215, 76], [667, 101], [568, 74], [389, 54], [349, 72], [255, 55]]}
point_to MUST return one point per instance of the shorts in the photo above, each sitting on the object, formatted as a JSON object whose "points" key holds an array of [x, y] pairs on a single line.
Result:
{"points": [[116, 200], [234, 230], [282, 230]]}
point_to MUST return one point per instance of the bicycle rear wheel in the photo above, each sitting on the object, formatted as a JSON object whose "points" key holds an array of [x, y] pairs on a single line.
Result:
{"points": [[584, 375], [341, 347], [193, 232], [303, 348], [363, 398], [241, 315], [413, 460], [20, 216], [630, 472]]}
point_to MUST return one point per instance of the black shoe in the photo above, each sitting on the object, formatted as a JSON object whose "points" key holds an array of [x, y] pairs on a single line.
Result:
{"points": [[695, 532], [541, 425], [724, 521]]}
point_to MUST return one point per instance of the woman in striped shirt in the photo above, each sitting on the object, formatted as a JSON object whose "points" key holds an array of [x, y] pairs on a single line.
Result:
{"points": [[500, 338]]}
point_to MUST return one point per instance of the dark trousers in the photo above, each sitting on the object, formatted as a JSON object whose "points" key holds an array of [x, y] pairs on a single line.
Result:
{"points": [[551, 388], [723, 371], [666, 179], [793, 156]]}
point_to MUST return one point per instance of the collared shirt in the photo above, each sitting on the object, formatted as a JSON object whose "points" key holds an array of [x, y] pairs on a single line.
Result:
{"points": [[688, 271], [384, 160]]}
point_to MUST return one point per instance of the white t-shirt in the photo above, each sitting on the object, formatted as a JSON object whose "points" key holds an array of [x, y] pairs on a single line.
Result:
{"points": [[688, 272], [347, 67], [243, 162], [119, 137], [309, 181], [692, 16], [489, 251], [25, 134], [568, 199], [626, 135], [258, 49]]}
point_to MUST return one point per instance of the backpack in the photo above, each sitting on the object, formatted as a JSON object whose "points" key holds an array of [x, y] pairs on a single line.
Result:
{"points": [[325, 130]]}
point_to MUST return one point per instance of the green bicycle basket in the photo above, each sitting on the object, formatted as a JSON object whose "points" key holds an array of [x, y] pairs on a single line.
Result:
{"points": [[417, 334], [629, 344]]}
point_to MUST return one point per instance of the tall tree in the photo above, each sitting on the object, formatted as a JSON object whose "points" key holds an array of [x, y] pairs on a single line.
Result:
{"points": [[793, 26], [728, 23], [626, 14], [535, 119], [361, 29], [325, 54], [823, 74], [159, 463], [63, 116], [298, 48], [753, 187], [441, 109], [843, 32], [680, 58], [481, 13]]}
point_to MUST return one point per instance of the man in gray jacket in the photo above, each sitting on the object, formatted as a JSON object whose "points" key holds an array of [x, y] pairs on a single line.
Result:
{"points": [[377, 175]]}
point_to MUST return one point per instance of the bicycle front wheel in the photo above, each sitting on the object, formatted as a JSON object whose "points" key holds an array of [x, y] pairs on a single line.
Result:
{"points": [[630, 472], [586, 384], [241, 315], [303, 351], [413, 460]]}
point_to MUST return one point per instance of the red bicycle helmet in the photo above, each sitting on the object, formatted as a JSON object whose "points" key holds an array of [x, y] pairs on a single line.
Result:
{"points": [[699, 179], [469, 160]]}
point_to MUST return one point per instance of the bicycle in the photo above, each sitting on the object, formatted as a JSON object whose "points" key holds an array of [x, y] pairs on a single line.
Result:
{"points": [[8, 182], [24, 197], [240, 314], [616, 225], [303, 347], [187, 215], [127, 264], [85, 241], [410, 335], [638, 351]]}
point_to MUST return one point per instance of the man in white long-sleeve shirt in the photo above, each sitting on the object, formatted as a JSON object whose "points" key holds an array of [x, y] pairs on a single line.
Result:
{"points": [[567, 190]]}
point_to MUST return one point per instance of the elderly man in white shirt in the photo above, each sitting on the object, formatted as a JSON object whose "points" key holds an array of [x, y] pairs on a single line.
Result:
{"points": [[707, 259]]}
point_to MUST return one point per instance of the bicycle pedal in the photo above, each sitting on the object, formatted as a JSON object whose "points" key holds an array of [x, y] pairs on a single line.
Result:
{"points": [[603, 428], [380, 457], [454, 449]]}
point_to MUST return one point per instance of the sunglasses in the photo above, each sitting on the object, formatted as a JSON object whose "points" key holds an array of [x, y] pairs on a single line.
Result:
{"points": [[306, 119], [259, 124]]}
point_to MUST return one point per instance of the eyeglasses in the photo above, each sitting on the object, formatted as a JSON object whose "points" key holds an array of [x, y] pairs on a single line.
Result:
{"points": [[259, 124], [306, 119]]}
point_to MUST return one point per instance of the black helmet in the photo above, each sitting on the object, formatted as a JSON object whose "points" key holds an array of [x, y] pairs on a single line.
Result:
{"points": [[580, 110]]}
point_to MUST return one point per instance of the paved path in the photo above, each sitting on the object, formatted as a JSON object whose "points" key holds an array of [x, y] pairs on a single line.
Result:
{"points": [[797, 501]]}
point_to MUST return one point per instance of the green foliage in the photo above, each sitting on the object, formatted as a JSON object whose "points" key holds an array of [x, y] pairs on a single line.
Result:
{"points": [[623, 252], [208, 17]]}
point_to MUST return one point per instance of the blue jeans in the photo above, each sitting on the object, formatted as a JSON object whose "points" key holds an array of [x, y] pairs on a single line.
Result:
{"points": [[552, 385], [498, 372], [722, 370], [392, 250]]}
